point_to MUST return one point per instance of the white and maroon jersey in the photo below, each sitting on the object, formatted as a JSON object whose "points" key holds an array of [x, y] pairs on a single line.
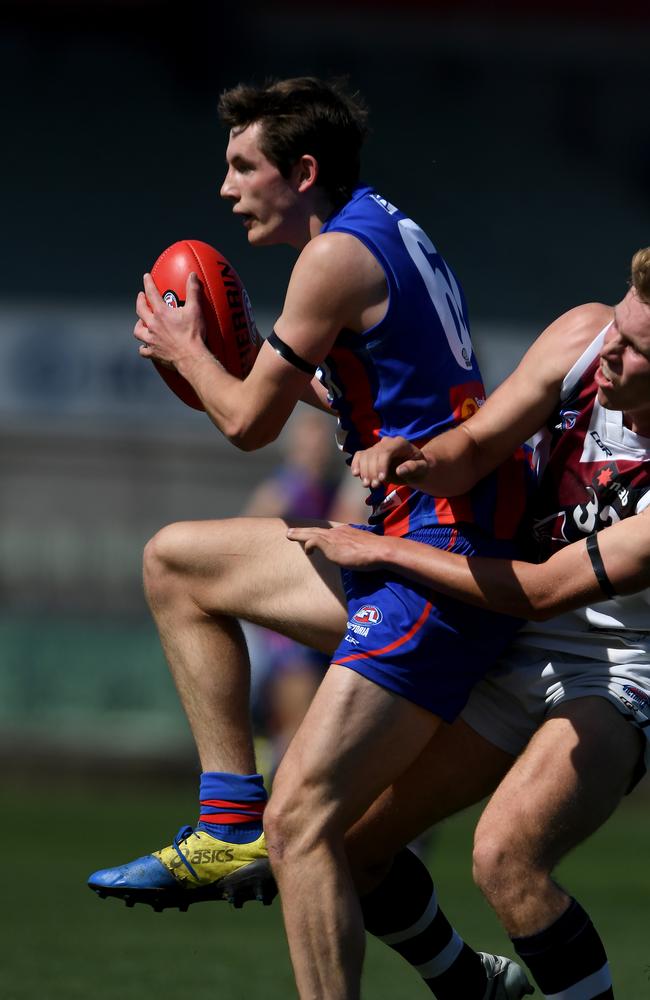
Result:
{"points": [[593, 471]]}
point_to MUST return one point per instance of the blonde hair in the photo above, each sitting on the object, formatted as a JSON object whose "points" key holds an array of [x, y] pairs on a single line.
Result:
{"points": [[641, 273]]}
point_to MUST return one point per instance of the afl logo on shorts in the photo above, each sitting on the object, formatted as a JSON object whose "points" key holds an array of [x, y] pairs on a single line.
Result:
{"points": [[368, 615], [170, 299]]}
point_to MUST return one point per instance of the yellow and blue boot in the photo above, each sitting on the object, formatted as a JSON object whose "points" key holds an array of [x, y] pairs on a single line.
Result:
{"points": [[195, 868]]}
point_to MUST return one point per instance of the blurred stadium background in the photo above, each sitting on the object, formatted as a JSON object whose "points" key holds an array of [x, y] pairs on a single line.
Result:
{"points": [[518, 137]]}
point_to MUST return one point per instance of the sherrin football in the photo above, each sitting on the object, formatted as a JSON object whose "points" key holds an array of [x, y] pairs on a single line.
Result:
{"points": [[231, 334]]}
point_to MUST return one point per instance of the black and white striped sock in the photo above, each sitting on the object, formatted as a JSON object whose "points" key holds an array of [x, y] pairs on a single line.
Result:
{"points": [[568, 959], [403, 912]]}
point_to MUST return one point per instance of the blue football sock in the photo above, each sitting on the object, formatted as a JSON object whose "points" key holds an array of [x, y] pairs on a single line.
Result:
{"points": [[232, 806]]}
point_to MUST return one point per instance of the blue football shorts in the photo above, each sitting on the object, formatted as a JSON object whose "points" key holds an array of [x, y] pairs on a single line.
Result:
{"points": [[423, 646]]}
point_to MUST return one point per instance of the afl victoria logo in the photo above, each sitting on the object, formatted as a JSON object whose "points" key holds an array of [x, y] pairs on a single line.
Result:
{"points": [[368, 615], [170, 299]]}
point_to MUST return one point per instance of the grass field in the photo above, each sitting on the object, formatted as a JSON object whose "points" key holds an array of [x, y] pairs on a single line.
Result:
{"points": [[60, 942]]}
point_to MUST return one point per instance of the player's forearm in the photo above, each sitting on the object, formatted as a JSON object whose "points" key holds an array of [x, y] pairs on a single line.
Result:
{"points": [[234, 408], [507, 586], [315, 395], [454, 464]]}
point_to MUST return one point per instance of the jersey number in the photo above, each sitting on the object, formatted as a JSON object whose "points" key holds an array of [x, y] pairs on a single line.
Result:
{"points": [[442, 288]]}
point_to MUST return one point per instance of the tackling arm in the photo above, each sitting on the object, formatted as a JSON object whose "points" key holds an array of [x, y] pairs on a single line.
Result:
{"points": [[526, 590], [452, 463]]}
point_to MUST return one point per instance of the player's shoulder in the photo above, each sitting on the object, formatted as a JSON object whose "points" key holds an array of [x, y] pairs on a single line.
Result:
{"points": [[567, 337], [581, 323], [554, 353], [339, 257]]}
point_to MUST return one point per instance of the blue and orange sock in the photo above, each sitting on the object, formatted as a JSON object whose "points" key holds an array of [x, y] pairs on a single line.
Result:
{"points": [[232, 806]]}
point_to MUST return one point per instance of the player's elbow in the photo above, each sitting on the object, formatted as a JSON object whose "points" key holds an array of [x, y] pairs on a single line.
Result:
{"points": [[544, 603], [251, 436]]}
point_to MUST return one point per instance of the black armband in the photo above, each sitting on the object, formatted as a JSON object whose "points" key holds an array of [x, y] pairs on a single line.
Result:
{"points": [[289, 355], [599, 566]]}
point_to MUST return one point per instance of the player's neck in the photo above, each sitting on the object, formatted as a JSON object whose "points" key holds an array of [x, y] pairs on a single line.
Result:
{"points": [[317, 212], [638, 421]]}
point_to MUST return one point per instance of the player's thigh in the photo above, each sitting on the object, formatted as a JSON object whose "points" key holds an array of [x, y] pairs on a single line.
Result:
{"points": [[564, 786], [456, 769], [247, 568], [354, 741]]}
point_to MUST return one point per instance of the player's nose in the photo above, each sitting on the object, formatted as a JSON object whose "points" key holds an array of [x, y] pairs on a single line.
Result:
{"points": [[228, 189]]}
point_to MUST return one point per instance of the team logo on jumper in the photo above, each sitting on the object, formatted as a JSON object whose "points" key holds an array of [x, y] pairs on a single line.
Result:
{"points": [[170, 298], [568, 419]]}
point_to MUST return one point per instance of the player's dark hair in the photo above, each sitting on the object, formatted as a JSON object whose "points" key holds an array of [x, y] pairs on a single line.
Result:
{"points": [[300, 116], [641, 273]]}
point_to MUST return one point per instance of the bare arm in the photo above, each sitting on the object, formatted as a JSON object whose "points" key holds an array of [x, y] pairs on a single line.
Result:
{"points": [[333, 281], [526, 590], [316, 395], [453, 462]]}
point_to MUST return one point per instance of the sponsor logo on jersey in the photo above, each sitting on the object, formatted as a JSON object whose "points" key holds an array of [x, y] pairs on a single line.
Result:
{"points": [[607, 501], [466, 398], [469, 406], [350, 638], [603, 447], [170, 299]]}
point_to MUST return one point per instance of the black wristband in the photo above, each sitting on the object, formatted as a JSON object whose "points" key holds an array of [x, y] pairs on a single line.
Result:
{"points": [[599, 566], [289, 355]]}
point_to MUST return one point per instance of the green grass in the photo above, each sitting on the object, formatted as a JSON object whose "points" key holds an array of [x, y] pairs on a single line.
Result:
{"points": [[60, 941]]}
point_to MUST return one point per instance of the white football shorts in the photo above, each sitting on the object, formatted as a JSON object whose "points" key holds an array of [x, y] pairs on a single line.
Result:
{"points": [[516, 696]]}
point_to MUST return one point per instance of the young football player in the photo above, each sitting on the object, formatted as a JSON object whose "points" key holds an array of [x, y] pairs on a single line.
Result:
{"points": [[374, 310]]}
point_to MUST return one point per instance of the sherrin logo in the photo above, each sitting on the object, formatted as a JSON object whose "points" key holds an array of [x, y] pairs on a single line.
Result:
{"points": [[368, 615]]}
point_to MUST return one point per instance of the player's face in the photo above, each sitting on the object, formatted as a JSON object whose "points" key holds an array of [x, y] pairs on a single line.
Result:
{"points": [[623, 377], [267, 203]]}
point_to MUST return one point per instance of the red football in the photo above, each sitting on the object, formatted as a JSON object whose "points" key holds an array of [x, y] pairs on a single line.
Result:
{"points": [[231, 334]]}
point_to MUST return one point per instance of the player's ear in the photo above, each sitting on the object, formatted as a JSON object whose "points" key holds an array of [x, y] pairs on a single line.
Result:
{"points": [[306, 172]]}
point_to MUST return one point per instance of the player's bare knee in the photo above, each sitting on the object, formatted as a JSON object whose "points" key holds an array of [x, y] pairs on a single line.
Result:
{"points": [[281, 831], [296, 821], [160, 563], [496, 864]]}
